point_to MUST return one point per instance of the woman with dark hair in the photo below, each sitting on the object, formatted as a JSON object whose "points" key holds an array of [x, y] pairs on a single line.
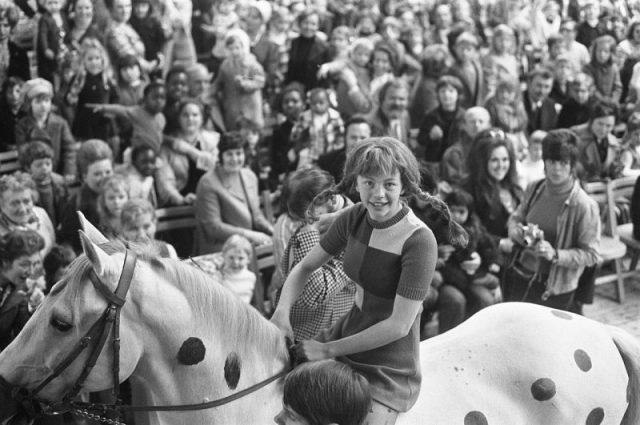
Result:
{"points": [[20, 259], [11, 112], [227, 200], [307, 51], [82, 24], [556, 230], [13, 59], [493, 180]]}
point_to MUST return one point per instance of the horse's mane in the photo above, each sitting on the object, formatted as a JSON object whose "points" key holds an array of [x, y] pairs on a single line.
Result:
{"points": [[209, 300]]}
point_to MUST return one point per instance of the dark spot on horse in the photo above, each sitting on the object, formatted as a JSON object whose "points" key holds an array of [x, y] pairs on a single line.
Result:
{"points": [[595, 417], [232, 370], [192, 351], [582, 360], [543, 389], [475, 418], [562, 314]]}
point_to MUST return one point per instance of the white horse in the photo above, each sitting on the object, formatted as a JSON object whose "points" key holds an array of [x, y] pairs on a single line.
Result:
{"points": [[509, 364]]}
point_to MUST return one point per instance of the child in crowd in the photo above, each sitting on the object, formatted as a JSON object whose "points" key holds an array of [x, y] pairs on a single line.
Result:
{"points": [[435, 58], [177, 85], [471, 269], [10, 111], [150, 29], [384, 61], [232, 267], [56, 263], [139, 174], [324, 392], [319, 129], [501, 62], [440, 126], [507, 109], [340, 43], [113, 195], [352, 90], [138, 224], [130, 84], [52, 27], [577, 109], [41, 123], [532, 166], [604, 70], [563, 75], [94, 84], [240, 81], [36, 157]]}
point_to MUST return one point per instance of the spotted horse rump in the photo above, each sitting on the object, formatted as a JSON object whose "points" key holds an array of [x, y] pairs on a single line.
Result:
{"points": [[522, 364]]}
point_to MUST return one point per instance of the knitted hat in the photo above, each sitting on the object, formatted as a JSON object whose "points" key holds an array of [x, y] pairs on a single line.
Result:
{"points": [[264, 7], [36, 87]]}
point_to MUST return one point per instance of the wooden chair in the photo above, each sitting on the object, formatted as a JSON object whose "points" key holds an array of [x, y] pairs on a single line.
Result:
{"points": [[264, 266], [172, 218], [612, 249], [9, 161]]}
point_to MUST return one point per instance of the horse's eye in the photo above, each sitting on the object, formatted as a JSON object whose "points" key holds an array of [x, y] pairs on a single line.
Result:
{"points": [[60, 325]]}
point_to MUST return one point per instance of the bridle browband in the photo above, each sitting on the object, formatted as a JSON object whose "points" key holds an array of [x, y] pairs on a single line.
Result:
{"points": [[97, 336]]}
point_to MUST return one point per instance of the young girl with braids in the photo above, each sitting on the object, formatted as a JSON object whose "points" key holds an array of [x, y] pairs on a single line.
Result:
{"points": [[391, 256]]}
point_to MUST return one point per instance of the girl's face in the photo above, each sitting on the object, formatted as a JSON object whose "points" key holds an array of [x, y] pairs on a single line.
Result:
{"points": [[114, 200], [235, 260], [17, 205], [498, 164], [380, 195], [459, 213], [309, 26], [177, 86], [41, 106], [97, 173], [141, 229], [23, 268], [93, 62], [5, 29], [145, 162], [361, 56], [84, 10], [448, 97], [190, 118], [233, 160], [381, 63], [603, 53], [130, 74], [236, 50], [13, 96]]}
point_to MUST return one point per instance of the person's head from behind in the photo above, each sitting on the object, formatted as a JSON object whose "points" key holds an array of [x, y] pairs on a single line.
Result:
{"points": [[154, 97], [475, 120], [603, 50], [95, 163], [20, 256], [138, 221], [36, 157], [232, 151], [145, 160], [319, 101], [356, 130], [602, 119], [113, 195], [540, 82], [460, 203], [326, 392], [303, 187], [37, 94], [560, 149], [56, 263], [236, 252], [448, 89], [581, 88]]}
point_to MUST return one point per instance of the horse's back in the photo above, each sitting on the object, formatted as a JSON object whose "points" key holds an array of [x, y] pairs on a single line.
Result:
{"points": [[517, 363]]}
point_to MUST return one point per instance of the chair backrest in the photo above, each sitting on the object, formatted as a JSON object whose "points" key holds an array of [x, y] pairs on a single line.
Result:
{"points": [[616, 190], [264, 256], [171, 218], [9, 162]]}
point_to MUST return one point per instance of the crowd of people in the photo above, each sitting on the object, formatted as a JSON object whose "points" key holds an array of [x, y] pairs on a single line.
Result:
{"points": [[465, 127]]}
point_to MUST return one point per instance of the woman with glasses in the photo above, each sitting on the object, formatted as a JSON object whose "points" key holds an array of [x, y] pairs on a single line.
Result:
{"points": [[556, 230]]}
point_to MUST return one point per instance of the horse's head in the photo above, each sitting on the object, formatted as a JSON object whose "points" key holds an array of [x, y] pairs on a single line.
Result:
{"points": [[61, 322]]}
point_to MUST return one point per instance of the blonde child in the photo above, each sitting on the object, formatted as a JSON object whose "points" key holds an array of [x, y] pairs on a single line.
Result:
{"points": [[233, 267], [138, 224], [113, 195], [531, 167], [240, 81]]}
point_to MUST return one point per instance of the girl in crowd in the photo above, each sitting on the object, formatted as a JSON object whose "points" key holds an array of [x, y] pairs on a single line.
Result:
{"points": [[604, 70], [391, 256], [232, 267], [113, 195], [138, 224], [328, 294]]}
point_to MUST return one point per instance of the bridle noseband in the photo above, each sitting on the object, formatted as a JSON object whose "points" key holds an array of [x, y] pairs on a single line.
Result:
{"points": [[96, 337]]}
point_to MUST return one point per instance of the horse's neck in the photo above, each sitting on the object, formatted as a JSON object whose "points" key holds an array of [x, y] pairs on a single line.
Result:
{"points": [[230, 364]]}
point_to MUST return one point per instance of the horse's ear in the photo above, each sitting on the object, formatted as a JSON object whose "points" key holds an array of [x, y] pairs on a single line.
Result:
{"points": [[90, 230], [101, 261]]}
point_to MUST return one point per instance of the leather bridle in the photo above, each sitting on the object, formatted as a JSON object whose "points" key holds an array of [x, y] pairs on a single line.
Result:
{"points": [[96, 338]]}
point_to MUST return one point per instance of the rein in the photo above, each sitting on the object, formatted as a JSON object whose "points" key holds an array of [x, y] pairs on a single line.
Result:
{"points": [[97, 335]]}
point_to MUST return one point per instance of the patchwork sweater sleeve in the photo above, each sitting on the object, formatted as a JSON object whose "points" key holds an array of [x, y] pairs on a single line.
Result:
{"points": [[419, 256], [335, 240]]}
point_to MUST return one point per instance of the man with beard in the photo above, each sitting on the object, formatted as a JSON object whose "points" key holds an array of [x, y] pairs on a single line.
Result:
{"points": [[391, 118]]}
